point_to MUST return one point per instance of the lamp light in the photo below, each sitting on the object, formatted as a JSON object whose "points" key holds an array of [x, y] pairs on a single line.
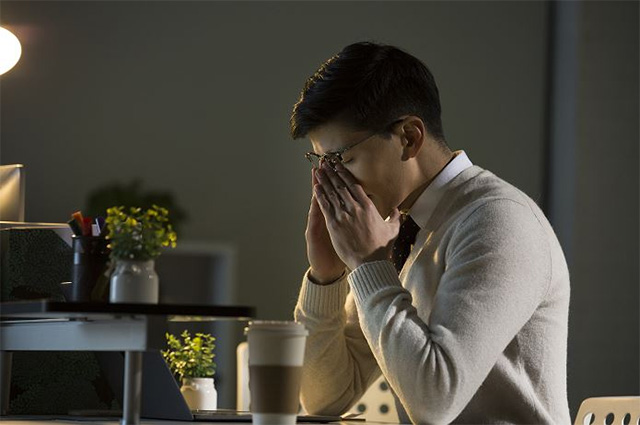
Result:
{"points": [[10, 50]]}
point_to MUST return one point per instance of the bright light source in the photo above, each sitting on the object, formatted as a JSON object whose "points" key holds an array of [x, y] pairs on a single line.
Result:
{"points": [[10, 50]]}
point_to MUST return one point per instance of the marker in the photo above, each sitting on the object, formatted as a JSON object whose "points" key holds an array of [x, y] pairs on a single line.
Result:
{"points": [[75, 227], [86, 226], [77, 216]]}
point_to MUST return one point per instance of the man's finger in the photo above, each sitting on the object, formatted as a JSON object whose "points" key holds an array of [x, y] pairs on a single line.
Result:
{"points": [[335, 180], [314, 209], [314, 179], [336, 183], [330, 191], [356, 190], [323, 202], [347, 201]]}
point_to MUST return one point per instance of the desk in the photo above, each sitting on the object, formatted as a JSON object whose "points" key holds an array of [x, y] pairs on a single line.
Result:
{"points": [[133, 328], [151, 422]]}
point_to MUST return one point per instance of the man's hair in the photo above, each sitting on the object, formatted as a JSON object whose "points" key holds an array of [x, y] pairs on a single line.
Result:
{"points": [[367, 86]]}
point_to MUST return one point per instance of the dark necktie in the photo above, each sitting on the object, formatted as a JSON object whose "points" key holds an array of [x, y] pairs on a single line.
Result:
{"points": [[403, 244]]}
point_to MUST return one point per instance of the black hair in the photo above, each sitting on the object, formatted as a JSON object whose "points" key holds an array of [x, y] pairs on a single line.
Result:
{"points": [[367, 86]]}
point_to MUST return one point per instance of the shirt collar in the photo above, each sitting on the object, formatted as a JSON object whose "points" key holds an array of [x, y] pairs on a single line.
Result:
{"points": [[426, 203]]}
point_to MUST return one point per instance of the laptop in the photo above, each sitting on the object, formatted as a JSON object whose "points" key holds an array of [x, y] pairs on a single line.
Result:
{"points": [[161, 396]]}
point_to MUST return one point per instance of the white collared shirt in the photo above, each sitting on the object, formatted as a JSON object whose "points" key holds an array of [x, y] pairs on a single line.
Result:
{"points": [[426, 203]]}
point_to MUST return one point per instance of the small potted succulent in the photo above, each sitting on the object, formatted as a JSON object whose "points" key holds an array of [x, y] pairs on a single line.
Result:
{"points": [[192, 360], [136, 238]]}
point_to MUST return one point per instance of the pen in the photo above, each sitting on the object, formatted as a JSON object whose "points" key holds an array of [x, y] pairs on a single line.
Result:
{"points": [[100, 223], [104, 230]]}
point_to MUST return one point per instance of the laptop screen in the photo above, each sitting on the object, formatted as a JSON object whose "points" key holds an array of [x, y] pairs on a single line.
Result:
{"points": [[161, 397]]}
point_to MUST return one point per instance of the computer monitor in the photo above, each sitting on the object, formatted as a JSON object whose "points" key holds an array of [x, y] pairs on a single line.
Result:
{"points": [[161, 397], [12, 192]]}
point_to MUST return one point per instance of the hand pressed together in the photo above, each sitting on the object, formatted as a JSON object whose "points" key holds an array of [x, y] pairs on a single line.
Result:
{"points": [[357, 231], [326, 265]]}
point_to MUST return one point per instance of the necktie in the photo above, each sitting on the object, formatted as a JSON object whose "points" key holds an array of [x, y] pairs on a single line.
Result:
{"points": [[403, 244]]}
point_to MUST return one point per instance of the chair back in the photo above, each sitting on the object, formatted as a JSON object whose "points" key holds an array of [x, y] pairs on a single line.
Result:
{"points": [[377, 403], [609, 410]]}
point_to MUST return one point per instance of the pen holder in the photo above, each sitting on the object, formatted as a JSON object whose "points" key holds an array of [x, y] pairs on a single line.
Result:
{"points": [[90, 274]]}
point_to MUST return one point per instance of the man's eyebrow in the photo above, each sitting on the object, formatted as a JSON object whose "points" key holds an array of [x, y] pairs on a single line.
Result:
{"points": [[332, 152]]}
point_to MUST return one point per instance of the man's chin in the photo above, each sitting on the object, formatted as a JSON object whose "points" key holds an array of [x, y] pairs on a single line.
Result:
{"points": [[383, 211]]}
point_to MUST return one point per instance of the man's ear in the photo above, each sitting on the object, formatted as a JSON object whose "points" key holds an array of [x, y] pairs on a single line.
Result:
{"points": [[413, 135]]}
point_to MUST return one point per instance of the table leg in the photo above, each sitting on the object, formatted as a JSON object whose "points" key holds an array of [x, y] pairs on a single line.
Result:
{"points": [[132, 388], [5, 380]]}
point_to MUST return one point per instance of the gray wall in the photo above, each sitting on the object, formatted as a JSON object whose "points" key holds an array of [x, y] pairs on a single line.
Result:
{"points": [[195, 97], [595, 195]]}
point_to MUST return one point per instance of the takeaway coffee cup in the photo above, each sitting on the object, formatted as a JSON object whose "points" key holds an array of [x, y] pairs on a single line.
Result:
{"points": [[276, 354]]}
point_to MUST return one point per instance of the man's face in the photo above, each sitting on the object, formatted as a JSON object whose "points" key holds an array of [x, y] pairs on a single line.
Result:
{"points": [[376, 162]]}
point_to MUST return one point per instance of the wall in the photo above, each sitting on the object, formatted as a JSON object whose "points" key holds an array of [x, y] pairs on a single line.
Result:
{"points": [[195, 97], [598, 172]]}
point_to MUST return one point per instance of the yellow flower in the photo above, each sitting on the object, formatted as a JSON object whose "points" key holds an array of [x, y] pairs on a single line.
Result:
{"points": [[197, 343]]}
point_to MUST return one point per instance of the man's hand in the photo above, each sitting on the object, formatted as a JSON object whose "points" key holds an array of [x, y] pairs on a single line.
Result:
{"points": [[325, 264], [358, 233]]}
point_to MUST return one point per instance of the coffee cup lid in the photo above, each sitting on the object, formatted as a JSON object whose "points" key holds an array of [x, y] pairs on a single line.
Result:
{"points": [[277, 326]]}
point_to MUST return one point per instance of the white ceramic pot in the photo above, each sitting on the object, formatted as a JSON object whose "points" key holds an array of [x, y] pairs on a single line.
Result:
{"points": [[134, 281], [199, 393]]}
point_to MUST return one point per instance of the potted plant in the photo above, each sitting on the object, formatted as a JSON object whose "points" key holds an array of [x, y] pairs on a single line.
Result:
{"points": [[192, 360], [136, 238]]}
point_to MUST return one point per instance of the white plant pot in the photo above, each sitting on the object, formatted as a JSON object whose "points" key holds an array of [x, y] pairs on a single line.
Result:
{"points": [[134, 281], [199, 393]]}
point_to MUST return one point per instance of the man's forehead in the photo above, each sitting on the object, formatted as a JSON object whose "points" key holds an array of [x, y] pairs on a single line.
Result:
{"points": [[332, 137]]}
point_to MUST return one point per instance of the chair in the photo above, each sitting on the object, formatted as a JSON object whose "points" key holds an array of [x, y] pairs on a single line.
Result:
{"points": [[609, 410], [376, 404]]}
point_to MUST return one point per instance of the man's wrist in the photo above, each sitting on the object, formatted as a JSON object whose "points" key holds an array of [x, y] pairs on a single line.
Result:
{"points": [[324, 281], [379, 255]]}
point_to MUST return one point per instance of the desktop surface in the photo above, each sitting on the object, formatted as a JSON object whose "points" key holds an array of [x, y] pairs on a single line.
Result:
{"points": [[45, 308], [23, 420]]}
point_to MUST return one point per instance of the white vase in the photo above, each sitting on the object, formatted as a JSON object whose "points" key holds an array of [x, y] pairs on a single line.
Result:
{"points": [[199, 393], [134, 281]]}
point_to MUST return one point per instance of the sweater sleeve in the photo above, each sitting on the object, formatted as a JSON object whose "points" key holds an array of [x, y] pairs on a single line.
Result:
{"points": [[338, 363], [497, 270]]}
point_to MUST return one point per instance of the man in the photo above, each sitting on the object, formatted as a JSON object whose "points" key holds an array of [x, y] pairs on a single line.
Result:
{"points": [[470, 326]]}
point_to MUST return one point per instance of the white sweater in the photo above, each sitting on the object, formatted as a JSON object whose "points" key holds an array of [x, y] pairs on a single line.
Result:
{"points": [[474, 330]]}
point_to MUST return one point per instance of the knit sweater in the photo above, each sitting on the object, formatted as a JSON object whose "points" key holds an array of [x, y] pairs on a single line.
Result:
{"points": [[473, 330]]}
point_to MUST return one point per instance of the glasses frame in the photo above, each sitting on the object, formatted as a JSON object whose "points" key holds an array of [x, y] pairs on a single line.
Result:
{"points": [[334, 156]]}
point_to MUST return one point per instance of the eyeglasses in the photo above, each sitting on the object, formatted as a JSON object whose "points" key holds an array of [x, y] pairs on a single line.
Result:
{"points": [[336, 156]]}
